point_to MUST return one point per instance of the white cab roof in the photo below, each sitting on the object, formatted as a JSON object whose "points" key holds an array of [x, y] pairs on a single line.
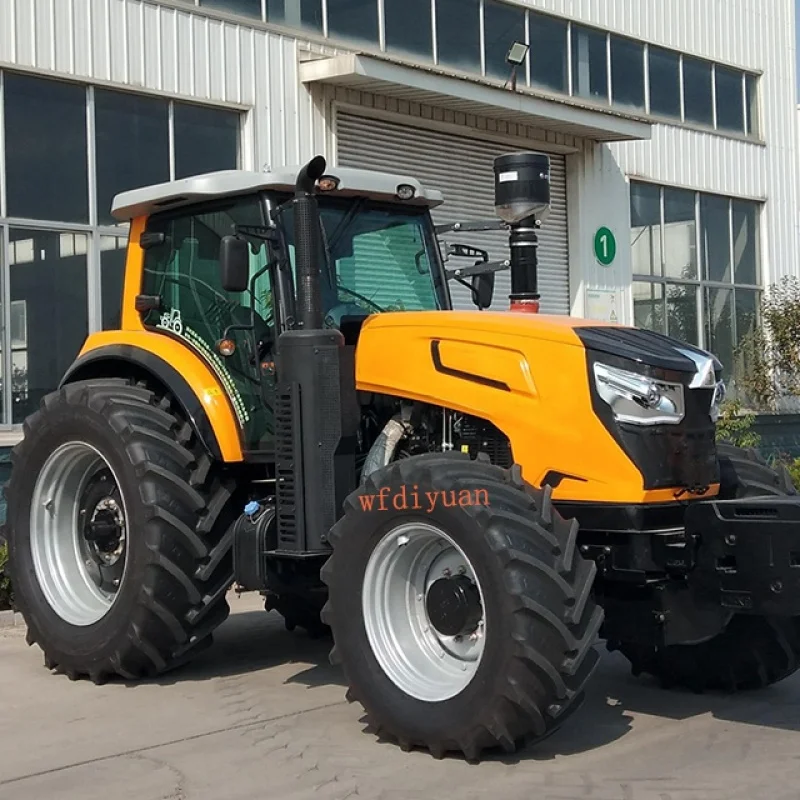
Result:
{"points": [[353, 182]]}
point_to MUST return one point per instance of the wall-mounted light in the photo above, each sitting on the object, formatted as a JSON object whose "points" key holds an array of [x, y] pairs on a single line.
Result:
{"points": [[516, 58]]}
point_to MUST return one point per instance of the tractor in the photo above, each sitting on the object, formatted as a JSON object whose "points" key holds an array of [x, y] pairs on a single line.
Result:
{"points": [[469, 503]]}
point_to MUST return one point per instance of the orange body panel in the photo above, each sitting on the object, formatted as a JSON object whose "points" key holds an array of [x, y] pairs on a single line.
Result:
{"points": [[546, 411], [200, 377]]}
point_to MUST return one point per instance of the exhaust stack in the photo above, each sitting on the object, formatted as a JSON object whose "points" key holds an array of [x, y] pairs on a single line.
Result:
{"points": [[522, 200], [308, 245]]}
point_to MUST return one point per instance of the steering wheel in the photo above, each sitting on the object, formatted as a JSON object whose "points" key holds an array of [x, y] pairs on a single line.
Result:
{"points": [[334, 317], [346, 290]]}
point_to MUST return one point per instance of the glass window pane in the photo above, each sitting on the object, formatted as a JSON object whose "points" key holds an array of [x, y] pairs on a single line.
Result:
{"points": [[665, 83], [296, 13], [751, 102], [646, 229], [680, 234], [353, 19], [132, 145], [409, 28], [730, 100], [247, 8], [589, 64], [746, 247], [502, 26], [50, 323], [206, 140], [112, 268], [627, 72], [648, 306], [719, 325], [715, 238], [682, 313], [46, 163], [747, 312], [548, 53], [697, 96], [458, 35]]}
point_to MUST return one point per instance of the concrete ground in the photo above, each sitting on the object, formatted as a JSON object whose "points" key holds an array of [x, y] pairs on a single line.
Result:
{"points": [[262, 715]]}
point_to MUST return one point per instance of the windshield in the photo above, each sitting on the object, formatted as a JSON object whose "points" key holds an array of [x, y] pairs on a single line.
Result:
{"points": [[380, 258]]}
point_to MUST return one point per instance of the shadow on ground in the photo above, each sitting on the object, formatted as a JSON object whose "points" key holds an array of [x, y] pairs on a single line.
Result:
{"points": [[251, 641]]}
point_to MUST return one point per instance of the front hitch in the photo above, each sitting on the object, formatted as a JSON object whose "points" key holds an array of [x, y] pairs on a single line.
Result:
{"points": [[748, 554]]}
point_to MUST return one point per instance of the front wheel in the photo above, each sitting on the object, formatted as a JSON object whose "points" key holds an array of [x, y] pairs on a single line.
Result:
{"points": [[462, 614]]}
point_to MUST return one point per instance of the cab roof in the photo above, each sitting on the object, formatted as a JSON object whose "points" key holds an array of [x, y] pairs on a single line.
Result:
{"points": [[215, 185]]}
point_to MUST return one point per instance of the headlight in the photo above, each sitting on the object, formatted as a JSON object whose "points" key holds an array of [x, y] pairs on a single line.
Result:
{"points": [[638, 399]]}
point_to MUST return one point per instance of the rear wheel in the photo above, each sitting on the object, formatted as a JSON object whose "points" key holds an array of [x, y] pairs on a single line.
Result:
{"points": [[752, 651], [117, 533], [462, 614]]}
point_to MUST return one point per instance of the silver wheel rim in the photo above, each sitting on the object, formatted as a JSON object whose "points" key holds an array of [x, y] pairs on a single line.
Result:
{"points": [[78, 533], [420, 660]]}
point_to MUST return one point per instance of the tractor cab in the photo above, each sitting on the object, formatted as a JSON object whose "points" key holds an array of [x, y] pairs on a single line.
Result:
{"points": [[220, 273]]}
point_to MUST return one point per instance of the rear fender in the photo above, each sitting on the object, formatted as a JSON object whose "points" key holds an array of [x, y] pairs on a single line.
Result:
{"points": [[195, 388]]}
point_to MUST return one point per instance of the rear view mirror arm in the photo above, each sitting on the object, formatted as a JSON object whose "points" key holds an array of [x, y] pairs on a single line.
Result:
{"points": [[478, 269], [480, 225]]}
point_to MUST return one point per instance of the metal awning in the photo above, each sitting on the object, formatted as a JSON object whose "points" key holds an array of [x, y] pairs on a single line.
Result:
{"points": [[473, 96]]}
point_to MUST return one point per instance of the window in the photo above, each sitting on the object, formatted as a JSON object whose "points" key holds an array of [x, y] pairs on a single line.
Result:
{"points": [[730, 108], [382, 259], [696, 266], [751, 105], [247, 8], [680, 234], [353, 19], [206, 140], [132, 145], [112, 275], [589, 64], [697, 97], [48, 284], [296, 13], [184, 272], [59, 246], [627, 72], [502, 26], [458, 35], [548, 53], [646, 229], [664, 70], [46, 145], [409, 28]]}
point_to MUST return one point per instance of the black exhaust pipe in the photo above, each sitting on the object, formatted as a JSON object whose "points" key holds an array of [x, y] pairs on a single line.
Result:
{"points": [[308, 245]]}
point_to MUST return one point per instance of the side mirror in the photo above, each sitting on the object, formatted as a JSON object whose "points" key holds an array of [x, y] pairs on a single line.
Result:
{"points": [[483, 289], [234, 264]]}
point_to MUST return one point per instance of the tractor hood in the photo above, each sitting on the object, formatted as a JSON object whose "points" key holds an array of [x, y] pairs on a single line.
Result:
{"points": [[560, 386]]}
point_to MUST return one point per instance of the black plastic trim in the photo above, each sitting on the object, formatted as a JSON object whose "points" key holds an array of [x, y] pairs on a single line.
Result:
{"points": [[466, 376], [554, 478], [161, 370]]}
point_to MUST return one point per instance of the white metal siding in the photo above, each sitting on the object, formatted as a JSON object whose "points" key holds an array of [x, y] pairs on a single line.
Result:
{"points": [[462, 168]]}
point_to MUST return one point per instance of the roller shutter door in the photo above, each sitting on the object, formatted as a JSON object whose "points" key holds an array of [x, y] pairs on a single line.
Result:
{"points": [[462, 168]]}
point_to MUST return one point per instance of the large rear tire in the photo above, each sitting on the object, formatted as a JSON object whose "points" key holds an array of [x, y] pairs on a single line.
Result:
{"points": [[118, 533], [751, 652], [463, 627]]}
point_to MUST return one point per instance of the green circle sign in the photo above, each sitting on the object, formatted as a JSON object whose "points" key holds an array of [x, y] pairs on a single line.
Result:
{"points": [[605, 246]]}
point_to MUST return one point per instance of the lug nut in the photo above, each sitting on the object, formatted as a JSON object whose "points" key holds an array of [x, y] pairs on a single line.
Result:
{"points": [[446, 572]]}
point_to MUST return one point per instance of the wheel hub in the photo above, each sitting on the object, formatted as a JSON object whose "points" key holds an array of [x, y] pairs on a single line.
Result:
{"points": [[453, 606]]}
